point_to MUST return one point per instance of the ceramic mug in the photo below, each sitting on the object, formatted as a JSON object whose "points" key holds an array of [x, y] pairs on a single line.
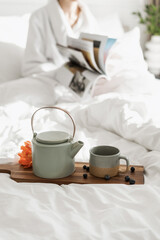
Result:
{"points": [[105, 160]]}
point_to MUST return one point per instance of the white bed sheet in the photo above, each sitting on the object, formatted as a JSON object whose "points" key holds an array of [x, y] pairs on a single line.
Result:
{"points": [[47, 211]]}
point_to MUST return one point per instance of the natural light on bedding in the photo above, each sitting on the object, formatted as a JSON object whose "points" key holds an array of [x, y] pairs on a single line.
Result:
{"points": [[79, 120]]}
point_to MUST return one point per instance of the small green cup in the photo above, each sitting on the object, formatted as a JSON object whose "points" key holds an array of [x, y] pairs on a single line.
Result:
{"points": [[105, 160]]}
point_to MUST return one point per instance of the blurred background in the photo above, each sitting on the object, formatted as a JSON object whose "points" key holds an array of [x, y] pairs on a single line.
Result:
{"points": [[115, 18]]}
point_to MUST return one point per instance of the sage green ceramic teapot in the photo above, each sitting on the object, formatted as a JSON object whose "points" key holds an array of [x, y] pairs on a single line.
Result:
{"points": [[53, 152]]}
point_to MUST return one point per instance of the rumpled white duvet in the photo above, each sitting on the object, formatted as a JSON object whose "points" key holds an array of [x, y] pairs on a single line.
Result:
{"points": [[129, 121]]}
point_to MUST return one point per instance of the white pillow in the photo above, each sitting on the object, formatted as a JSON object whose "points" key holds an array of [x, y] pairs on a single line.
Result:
{"points": [[13, 37], [125, 66], [110, 25], [14, 29], [10, 61], [126, 54]]}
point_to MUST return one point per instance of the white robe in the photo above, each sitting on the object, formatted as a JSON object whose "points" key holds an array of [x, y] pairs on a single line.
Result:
{"points": [[49, 26]]}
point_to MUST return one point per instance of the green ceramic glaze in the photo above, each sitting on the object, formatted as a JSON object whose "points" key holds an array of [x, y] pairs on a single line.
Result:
{"points": [[53, 154], [106, 157]]}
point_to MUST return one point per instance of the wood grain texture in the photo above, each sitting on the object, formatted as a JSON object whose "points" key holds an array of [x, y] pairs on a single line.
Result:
{"points": [[19, 174]]}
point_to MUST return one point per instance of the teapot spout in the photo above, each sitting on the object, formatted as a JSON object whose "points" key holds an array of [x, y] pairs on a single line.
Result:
{"points": [[76, 147]]}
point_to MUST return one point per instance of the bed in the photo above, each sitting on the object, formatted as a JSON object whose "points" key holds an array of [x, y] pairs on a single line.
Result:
{"points": [[126, 116]]}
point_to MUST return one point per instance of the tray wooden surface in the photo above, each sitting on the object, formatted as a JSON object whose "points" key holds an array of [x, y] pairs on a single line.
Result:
{"points": [[19, 174]]}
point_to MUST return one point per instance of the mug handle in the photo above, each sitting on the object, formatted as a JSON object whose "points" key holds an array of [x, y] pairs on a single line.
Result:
{"points": [[127, 163]]}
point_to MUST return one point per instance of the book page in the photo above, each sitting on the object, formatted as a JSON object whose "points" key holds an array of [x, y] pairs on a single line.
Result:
{"points": [[63, 75], [75, 56], [104, 50], [79, 44], [76, 78], [109, 44], [96, 46], [102, 42], [94, 77], [87, 48], [104, 47]]}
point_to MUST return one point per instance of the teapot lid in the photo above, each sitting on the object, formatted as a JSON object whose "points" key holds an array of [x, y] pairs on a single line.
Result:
{"points": [[52, 137]]}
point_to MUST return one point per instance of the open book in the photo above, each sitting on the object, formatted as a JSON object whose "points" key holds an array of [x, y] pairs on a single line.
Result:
{"points": [[87, 60]]}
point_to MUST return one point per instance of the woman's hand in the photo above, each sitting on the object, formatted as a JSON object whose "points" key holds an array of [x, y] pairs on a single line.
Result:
{"points": [[100, 86]]}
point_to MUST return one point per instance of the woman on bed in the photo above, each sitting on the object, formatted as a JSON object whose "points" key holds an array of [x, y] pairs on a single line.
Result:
{"points": [[50, 26]]}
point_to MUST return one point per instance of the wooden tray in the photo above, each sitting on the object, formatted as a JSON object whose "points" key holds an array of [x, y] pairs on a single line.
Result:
{"points": [[19, 174]]}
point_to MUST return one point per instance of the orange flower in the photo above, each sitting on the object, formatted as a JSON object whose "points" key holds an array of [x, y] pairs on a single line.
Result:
{"points": [[26, 155]]}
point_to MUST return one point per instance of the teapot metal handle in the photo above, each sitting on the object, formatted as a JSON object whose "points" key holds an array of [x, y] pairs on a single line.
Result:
{"points": [[32, 118]]}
